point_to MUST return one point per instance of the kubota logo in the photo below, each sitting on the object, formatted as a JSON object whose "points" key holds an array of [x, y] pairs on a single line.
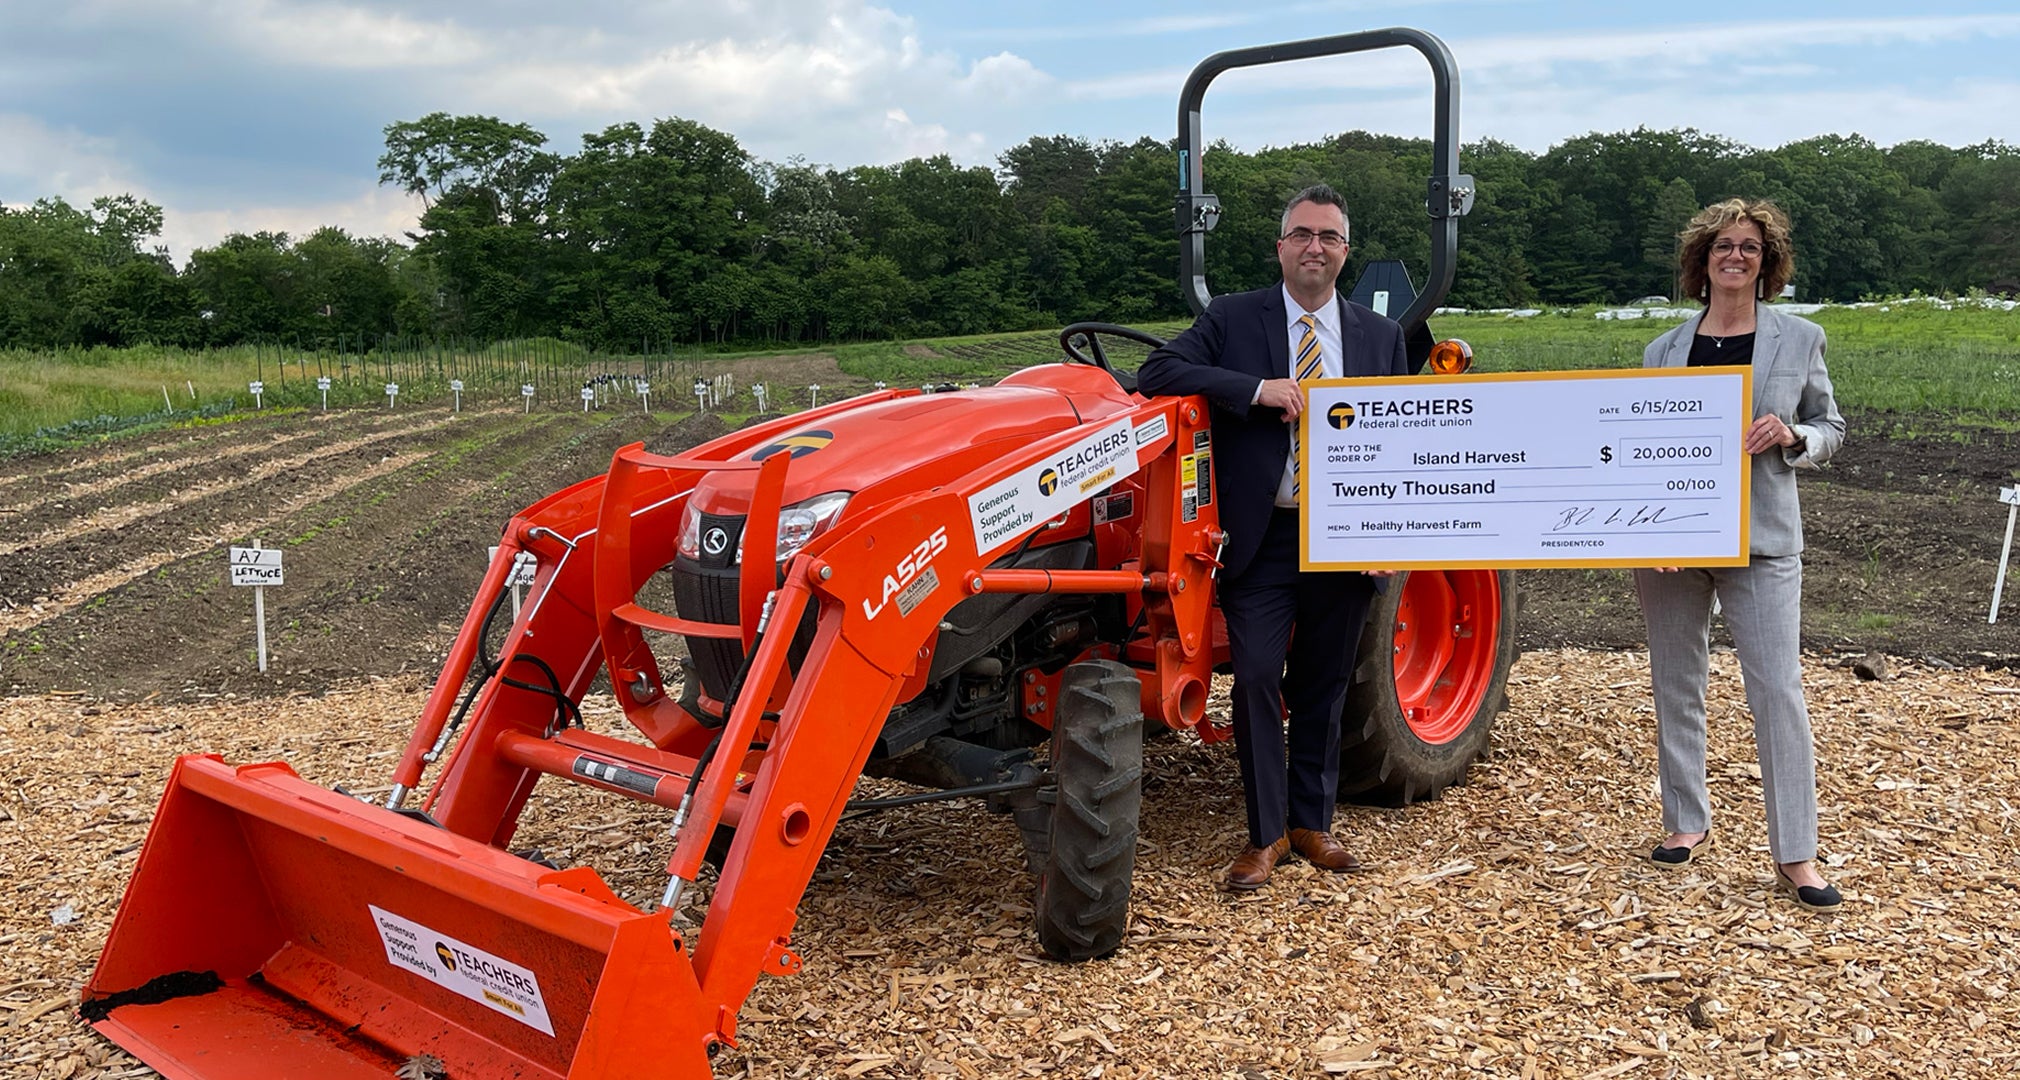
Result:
{"points": [[1048, 481], [715, 541], [798, 445], [443, 953], [908, 568], [1341, 416]]}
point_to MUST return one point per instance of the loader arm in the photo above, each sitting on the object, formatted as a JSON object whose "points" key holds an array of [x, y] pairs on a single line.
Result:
{"points": [[350, 936]]}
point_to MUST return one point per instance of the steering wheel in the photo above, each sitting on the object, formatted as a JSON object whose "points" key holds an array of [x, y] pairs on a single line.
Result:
{"points": [[1087, 333]]}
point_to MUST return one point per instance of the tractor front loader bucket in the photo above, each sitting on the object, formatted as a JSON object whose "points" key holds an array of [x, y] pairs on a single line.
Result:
{"points": [[277, 929]]}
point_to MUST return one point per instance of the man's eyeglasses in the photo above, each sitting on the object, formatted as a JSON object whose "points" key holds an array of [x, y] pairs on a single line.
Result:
{"points": [[1329, 239], [1749, 248]]}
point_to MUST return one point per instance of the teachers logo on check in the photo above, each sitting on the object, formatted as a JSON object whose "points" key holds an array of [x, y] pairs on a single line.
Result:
{"points": [[1412, 413], [1341, 416]]}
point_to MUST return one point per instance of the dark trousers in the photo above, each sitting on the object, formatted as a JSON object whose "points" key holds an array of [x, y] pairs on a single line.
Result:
{"points": [[1306, 672]]}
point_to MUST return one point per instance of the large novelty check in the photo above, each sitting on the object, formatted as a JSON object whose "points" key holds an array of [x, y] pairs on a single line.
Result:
{"points": [[1529, 469]]}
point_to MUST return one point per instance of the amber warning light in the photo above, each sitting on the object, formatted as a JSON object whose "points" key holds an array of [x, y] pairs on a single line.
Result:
{"points": [[1451, 357]]}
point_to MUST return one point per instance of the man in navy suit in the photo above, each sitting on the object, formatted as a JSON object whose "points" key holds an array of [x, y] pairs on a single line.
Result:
{"points": [[1246, 354]]}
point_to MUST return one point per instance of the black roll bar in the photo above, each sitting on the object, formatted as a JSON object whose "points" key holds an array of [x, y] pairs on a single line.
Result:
{"points": [[1448, 198]]}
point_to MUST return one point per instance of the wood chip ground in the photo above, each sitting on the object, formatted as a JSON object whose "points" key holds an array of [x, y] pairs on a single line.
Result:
{"points": [[1513, 928]]}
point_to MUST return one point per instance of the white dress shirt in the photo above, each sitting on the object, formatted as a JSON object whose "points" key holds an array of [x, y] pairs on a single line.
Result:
{"points": [[1328, 317]]}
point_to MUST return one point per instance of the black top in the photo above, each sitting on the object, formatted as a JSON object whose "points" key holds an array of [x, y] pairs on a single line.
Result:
{"points": [[1708, 351]]}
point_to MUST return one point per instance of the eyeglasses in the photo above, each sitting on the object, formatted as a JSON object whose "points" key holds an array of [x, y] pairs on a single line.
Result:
{"points": [[1749, 248], [1329, 239]]}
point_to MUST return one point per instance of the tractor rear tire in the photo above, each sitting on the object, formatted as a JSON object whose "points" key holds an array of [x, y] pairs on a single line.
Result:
{"points": [[1085, 875], [1430, 675]]}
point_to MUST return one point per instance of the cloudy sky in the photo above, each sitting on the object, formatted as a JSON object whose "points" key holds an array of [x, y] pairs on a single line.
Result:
{"points": [[237, 115]]}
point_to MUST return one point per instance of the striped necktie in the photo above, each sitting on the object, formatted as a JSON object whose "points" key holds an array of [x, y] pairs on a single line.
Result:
{"points": [[1310, 365]]}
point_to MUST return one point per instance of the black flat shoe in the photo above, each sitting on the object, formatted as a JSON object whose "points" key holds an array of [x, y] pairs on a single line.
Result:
{"points": [[1808, 896], [1677, 856]]}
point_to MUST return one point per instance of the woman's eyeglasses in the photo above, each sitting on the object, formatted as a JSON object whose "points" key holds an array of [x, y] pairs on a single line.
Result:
{"points": [[1749, 248]]}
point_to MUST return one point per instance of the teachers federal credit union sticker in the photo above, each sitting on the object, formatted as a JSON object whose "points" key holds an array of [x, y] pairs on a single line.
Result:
{"points": [[1036, 493], [462, 968]]}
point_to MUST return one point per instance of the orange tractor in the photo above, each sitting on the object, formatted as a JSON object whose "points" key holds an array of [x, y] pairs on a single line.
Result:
{"points": [[924, 585]]}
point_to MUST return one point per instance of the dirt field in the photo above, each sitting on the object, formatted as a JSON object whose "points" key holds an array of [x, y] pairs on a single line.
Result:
{"points": [[1509, 929]]}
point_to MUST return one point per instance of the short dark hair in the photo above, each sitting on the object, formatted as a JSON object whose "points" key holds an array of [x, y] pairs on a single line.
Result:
{"points": [[1317, 193], [1777, 257]]}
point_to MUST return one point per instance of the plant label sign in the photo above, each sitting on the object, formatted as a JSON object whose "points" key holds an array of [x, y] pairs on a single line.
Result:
{"points": [[526, 390], [456, 385], [2011, 497], [257, 387], [323, 383], [256, 566]]}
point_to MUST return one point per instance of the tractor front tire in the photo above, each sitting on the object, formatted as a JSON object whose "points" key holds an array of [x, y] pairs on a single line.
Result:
{"points": [[1430, 675], [1097, 767]]}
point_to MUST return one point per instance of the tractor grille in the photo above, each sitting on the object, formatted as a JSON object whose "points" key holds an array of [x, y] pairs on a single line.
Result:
{"points": [[706, 589]]}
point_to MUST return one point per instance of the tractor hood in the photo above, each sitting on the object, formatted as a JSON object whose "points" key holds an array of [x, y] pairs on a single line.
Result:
{"points": [[914, 443]]}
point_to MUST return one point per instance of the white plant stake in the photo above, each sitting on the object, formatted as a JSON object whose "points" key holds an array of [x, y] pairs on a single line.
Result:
{"points": [[588, 395], [757, 390], [645, 396], [701, 395], [526, 391], [258, 389], [258, 567], [2011, 497], [880, 384], [456, 388], [392, 391], [323, 387], [814, 396], [166, 404]]}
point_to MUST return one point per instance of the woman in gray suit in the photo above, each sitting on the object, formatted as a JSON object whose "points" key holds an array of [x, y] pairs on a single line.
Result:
{"points": [[1735, 255]]}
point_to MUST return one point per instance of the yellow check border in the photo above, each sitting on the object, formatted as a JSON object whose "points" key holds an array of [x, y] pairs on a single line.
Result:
{"points": [[1530, 563]]}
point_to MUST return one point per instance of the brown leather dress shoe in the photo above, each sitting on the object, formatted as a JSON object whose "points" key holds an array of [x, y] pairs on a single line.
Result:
{"points": [[1323, 851], [1250, 870]]}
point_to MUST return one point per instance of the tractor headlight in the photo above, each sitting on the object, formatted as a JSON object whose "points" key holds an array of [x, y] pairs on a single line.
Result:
{"points": [[798, 524], [802, 521], [690, 532]]}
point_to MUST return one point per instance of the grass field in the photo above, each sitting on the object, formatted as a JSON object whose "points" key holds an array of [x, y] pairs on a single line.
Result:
{"points": [[1916, 356]]}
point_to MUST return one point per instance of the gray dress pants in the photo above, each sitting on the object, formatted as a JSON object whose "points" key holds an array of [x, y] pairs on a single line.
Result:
{"points": [[1762, 603]]}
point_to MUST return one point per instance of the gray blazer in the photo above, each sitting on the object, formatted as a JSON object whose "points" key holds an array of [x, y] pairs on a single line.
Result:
{"points": [[1789, 380]]}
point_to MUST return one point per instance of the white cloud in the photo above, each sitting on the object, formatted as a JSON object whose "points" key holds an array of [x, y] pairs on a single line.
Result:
{"points": [[78, 168], [823, 85], [314, 34], [47, 161], [1964, 113], [1669, 52], [373, 211]]}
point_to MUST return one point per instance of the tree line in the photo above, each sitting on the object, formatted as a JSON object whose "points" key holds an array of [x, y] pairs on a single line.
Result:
{"points": [[673, 235]]}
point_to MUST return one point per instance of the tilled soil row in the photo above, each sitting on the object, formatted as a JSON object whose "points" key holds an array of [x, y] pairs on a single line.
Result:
{"points": [[111, 506], [108, 454], [381, 565], [29, 503], [246, 491], [1901, 532]]}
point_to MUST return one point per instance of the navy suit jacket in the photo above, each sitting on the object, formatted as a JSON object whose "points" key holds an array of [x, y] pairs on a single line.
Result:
{"points": [[1240, 340]]}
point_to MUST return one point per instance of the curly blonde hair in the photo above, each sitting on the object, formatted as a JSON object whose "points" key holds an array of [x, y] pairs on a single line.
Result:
{"points": [[1777, 259]]}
